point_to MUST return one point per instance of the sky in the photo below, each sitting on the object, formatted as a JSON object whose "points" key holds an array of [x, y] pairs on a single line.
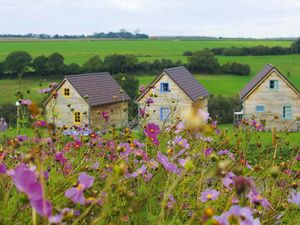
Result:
{"points": [[226, 18]]}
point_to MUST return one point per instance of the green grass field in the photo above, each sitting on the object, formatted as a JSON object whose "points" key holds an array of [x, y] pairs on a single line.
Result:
{"points": [[80, 51]]}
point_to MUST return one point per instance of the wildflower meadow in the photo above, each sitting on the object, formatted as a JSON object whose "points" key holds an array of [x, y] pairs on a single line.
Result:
{"points": [[188, 171]]}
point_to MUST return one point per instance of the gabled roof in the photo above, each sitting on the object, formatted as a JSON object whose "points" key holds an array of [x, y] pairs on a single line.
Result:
{"points": [[263, 74], [185, 80], [101, 88]]}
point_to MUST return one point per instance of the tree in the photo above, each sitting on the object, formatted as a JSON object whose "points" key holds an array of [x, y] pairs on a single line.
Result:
{"points": [[39, 65], [203, 61], [18, 62], [72, 68], [55, 64], [2, 68], [94, 64], [296, 46], [120, 63]]}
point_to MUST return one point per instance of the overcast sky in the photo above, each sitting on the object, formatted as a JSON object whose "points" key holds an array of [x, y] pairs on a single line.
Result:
{"points": [[227, 18]]}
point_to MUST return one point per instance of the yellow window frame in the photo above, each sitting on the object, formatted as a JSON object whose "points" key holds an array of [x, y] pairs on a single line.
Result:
{"points": [[66, 92], [77, 117]]}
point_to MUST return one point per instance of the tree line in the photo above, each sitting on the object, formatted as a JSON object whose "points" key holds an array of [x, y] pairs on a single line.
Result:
{"points": [[21, 62], [256, 50], [122, 34]]}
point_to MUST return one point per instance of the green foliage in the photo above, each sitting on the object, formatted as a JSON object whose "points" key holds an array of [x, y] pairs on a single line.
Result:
{"points": [[17, 62], [55, 64], [203, 61], [236, 68], [296, 46], [8, 111], [72, 68], [222, 108], [94, 64], [40, 65], [120, 63]]}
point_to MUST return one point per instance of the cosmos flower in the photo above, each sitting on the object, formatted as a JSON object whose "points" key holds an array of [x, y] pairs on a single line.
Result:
{"points": [[40, 123], [223, 152], [105, 116], [228, 180], [142, 89], [151, 131], [142, 112], [238, 215], [45, 90], [209, 194], [179, 128], [256, 198], [26, 181], [171, 202], [208, 151], [21, 138], [183, 143], [298, 158], [25, 102], [77, 144], [2, 168], [149, 101], [163, 160], [76, 193], [295, 198], [257, 126]]}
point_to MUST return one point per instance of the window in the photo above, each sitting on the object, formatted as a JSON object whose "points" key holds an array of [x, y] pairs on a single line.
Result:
{"points": [[273, 84], [67, 92], [287, 112], [77, 117], [260, 108], [164, 113], [164, 87]]}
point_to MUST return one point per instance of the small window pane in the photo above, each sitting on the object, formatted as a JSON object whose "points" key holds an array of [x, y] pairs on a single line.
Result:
{"points": [[164, 113], [287, 112], [273, 84], [66, 92], [164, 87], [260, 108], [77, 117]]}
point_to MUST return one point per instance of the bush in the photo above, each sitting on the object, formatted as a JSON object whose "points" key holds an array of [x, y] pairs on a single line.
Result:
{"points": [[295, 47], [203, 61], [236, 68], [187, 53], [222, 108], [17, 62], [8, 111]]}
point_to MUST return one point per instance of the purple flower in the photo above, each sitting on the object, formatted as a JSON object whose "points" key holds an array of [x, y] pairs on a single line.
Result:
{"points": [[241, 216], [105, 116], [223, 152], [171, 167], [142, 89], [171, 202], [228, 180], [256, 198], [25, 102], [21, 138], [179, 127], [257, 126], [298, 158], [151, 131], [295, 198], [149, 101], [178, 140], [209, 194], [76, 194], [152, 164], [26, 181], [2, 168], [40, 123], [208, 151], [45, 90], [142, 112]]}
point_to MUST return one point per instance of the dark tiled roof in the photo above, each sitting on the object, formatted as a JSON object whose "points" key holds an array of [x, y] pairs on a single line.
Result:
{"points": [[187, 82], [101, 88], [258, 78]]}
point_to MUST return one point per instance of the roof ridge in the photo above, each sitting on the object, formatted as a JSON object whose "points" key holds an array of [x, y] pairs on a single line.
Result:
{"points": [[86, 74], [173, 68]]}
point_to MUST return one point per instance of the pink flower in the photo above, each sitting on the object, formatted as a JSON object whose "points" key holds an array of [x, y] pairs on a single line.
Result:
{"points": [[209, 195], [105, 116], [151, 131], [40, 123], [163, 160], [142, 112], [256, 198], [76, 194], [149, 101], [142, 89], [208, 151], [25, 102]]}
